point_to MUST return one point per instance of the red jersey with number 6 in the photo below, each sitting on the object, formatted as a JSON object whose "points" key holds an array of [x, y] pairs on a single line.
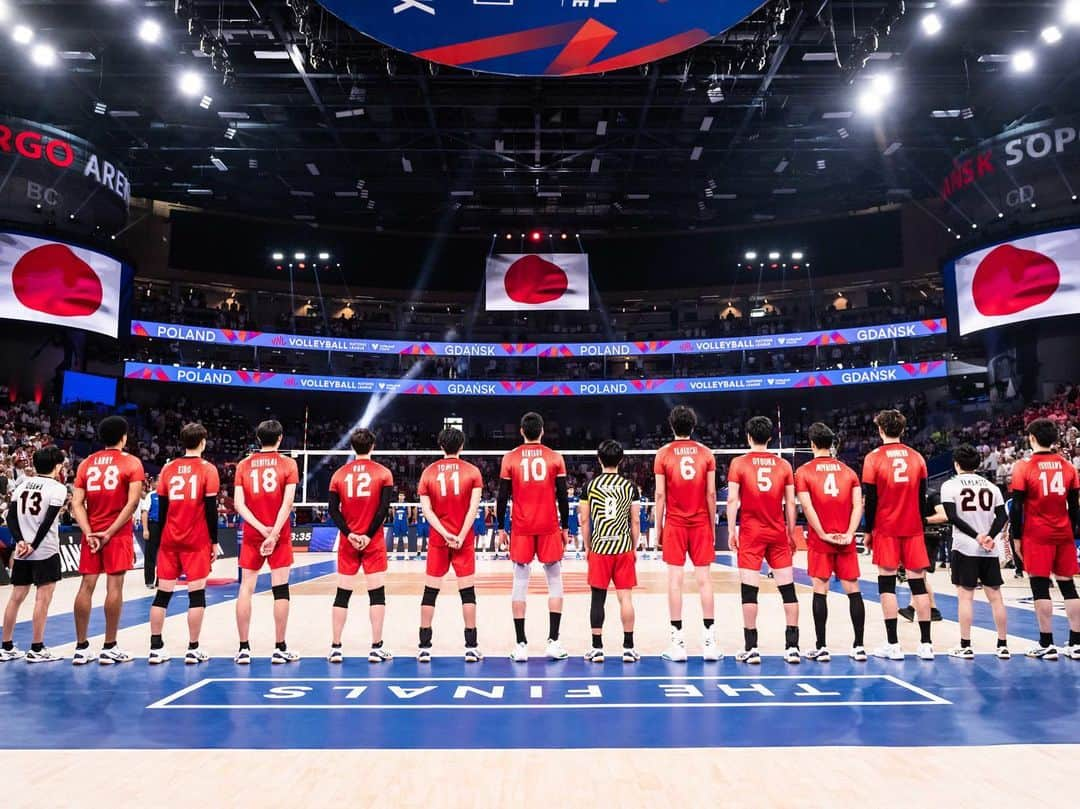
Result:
{"points": [[449, 484], [763, 479], [685, 466], [532, 470], [106, 476], [359, 484], [897, 472], [186, 483], [1045, 480], [263, 477], [830, 484]]}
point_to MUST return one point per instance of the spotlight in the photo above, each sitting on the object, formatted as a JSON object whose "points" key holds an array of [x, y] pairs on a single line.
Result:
{"points": [[565, 236], [1023, 61], [43, 55], [1072, 12], [509, 236], [870, 103], [5, 11], [300, 256], [22, 34], [883, 83], [931, 24], [797, 255], [278, 256], [190, 83], [774, 255], [750, 255], [149, 31], [1051, 35], [324, 256], [536, 235]]}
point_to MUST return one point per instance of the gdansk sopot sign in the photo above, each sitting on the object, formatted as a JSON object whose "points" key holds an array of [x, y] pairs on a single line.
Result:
{"points": [[542, 37], [53, 174]]}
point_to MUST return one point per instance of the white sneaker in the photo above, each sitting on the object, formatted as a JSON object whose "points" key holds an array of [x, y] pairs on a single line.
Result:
{"points": [[379, 655], [242, 657], [962, 653], [473, 654], [283, 656], [594, 656], [1044, 652], [44, 656], [710, 649], [676, 650], [193, 657], [555, 651], [821, 655], [113, 656], [925, 651], [858, 654], [890, 651], [1002, 653], [792, 656], [423, 655], [80, 657], [7, 655], [520, 653], [751, 656], [1073, 652], [630, 656], [157, 657], [336, 655]]}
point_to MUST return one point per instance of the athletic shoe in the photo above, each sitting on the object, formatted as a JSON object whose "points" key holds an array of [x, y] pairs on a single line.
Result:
{"points": [[821, 655], [1044, 652], [7, 655], [44, 656], [80, 657], [555, 651], [283, 656], [907, 613], [676, 650], [1073, 652], [890, 651], [379, 655], [1003, 653], [113, 656], [594, 656], [473, 655], [242, 657], [193, 657], [792, 656], [962, 652], [751, 656], [336, 655], [935, 614], [710, 649], [925, 651], [423, 656], [630, 656], [858, 654], [157, 657], [520, 653]]}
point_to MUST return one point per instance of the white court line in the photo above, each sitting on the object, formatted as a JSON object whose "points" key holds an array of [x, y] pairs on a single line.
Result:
{"points": [[921, 692], [164, 703], [525, 706]]}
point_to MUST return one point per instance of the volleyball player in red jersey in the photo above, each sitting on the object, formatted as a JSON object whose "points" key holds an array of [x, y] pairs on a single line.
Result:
{"points": [[108, 485], [894, 481], [360, 495], [831, 501], [1045, 517], [685, 514], [761, 526], [187, 492], [264, 494], [450, 491], [534, 477]]}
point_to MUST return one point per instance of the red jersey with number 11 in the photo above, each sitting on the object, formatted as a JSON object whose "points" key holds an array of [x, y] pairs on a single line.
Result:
{"points": [[830, 484], [531, 470], [449, 484], [1045, 480], [897, 472]]}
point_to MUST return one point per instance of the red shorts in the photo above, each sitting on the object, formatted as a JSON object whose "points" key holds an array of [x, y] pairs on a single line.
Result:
{"points": [[193, 563], [1044, 559], [548, 548], [617, 568], [441, 557], [697, 542], [891, 552], [822, 563], [117, 556], [372, 558], [251, 557], [776, 552]]}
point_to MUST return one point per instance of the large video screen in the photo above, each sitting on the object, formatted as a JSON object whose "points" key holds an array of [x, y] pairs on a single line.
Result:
{"points": [[80, 388], [1028, 278]]}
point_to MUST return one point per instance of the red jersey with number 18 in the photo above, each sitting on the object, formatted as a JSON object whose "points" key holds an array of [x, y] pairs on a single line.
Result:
{"points": [[897, 472], [830, 484], [685, 466], [763, 479], [359, 484], [106, 476], [532, 470], [1045, 480], [263, 477], [449, 484], [187, 482]]}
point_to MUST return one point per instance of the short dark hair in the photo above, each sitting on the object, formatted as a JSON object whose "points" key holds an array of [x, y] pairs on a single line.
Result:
{"points": [[821, 437], [112, 430], [967, 457], [191, 435], [610, 453], [532, 425], [362, 441], [1043, 431], [760, 429], [682, 420], [451, 440], [891, 422], [47, 459], [269, 432]]}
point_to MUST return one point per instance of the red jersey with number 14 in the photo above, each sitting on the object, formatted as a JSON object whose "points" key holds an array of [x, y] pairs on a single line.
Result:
{"points": [[531, 470], [897, 472], [685, 466], [106, 476], [359, 484], [449, 484], [830, 484], [763, 479], [263, 477], [186, 483], [1045, 480]]}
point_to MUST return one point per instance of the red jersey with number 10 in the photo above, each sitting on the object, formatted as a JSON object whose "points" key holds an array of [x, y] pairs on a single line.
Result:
{"points": [[359, 484], [830, 484], [449, 484], [685, 466], [1045, 480], [187, 482], [106, 476], [897, 472], [763, 479], [263, 477], [531, 470]]}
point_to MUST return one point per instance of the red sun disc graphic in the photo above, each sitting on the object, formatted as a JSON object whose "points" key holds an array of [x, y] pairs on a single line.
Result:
{"points": [[1009, 280], [53, 280], [533, 280]]}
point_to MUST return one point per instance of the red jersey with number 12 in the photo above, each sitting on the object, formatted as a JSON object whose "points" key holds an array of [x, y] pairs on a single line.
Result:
{"points": [[449, 484], [187, 482], [263, 477], [106, 476], [685, 466], [1046, 480], [830, 484], [359, 484], [531, 470], [763, 479], [897, 472]]}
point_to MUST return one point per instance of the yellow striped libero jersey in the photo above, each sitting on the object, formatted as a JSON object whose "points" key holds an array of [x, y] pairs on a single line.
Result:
{"points": [[610, 497]]}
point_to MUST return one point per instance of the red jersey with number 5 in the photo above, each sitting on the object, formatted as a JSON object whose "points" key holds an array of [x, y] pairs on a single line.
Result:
{"points": [[898, 473], [106, 476], [359, 484], [1045, 480], [263, 477], [532, 470], [763, 479], [830, 484], [685, 466], [186, 483], [449, 484]]}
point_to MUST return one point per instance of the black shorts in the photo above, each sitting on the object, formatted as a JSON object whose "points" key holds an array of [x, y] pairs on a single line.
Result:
{"points": [[970, 571], [25, 572]]}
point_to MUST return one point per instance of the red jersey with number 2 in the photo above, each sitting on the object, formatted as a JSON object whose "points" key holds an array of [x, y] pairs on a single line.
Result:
{"points": [[106, 476], [897, 472], [685, 466], [532, 470], [1046, 480], [187, 482], [763, 479], [359, 484], [830, 484]]}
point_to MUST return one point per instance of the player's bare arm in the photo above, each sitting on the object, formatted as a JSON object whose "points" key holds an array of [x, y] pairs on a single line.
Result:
{"points": [[466, 534], [856, 514], [78, 511], [812, 518], [585, 525], [283, 516], [659, 506], [733, 516], [245, 512], [790, 512], [635, 517], [710, 497], [436, 523], [126, 513]]}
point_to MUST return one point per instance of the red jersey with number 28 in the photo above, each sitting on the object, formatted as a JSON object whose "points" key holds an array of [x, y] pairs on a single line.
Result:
{"points": [[186, 483], [263, 477], [449, 484], [359, 484], [1045, 481], [830, 484], [897, 472], [532, 470], [763, 479], [685, 466], [106, 476]]}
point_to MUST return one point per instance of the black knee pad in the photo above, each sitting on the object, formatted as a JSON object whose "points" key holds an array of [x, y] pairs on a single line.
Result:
{"points": [[197, 599], [468, 595], [886, 584], [430, 594], [1040, 587], [787, 593], [1068, 589], [377, 596], [280, 591], [162, 599], [341, 598], [918, 586], [749, 594]]}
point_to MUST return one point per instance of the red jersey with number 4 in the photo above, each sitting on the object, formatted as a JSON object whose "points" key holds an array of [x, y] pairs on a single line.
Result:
{"points": [[685, 466], [186, 483], [106, 476], [449, 484], [763, 479], [359, 484], [531, 470], [1045, 480], [830, 485], [897, 472], [263, 477]]}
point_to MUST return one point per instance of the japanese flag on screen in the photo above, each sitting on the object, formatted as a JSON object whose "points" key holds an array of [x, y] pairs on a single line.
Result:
{"points": [[1024, 279], [46, 281], [517, 282]]}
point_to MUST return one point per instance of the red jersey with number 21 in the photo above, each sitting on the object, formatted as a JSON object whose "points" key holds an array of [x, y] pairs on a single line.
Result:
{"points": [[359, 484], [187, 482], [531, 470], [1046, 480], [685, 465], [763, 479], [830, 484], [897, 472]]}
